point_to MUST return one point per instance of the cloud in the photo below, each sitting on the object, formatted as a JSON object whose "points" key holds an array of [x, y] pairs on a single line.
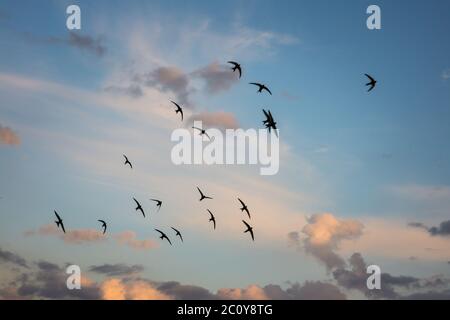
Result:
{"points": [[9, 257], [74, 39], [171, 79], [324, 232], [217, 77], [422, 192], [128, 238], [252, 292], [218, 119], [76, 236], [133, 90], [8, 136], [118, 269], [446, 74], [442, 230], [119, 289]]}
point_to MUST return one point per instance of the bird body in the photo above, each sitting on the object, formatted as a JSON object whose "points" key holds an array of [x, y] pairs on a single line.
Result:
{"points": [[163, 236], [202, 196], [244, 208], [249, 229], [178, 233], [269, 122], [103, 225], [261, 87], [236, 66], [202, 132], [158, 203], [372, 82], [127, 162], [212, 218], [59, 222], [178, 109], [139, 207]]}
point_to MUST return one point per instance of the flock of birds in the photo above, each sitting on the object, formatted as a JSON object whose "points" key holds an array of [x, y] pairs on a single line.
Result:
{"points": [[269, 123]]}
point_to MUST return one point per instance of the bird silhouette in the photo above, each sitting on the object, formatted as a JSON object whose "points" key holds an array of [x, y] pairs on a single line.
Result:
{"points": [[59, 222], [244, 208], [178, 109], [103, 225], [139, 207], [202, 132], [236, 66], [202, 196], [269, 122], [261, 87], [213, 219], [163, 236], [372, 82], [178, 233], [249, 229], [158, 203], [127, 161]]}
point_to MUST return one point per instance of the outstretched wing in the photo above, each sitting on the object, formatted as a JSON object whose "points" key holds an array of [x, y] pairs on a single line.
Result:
{"points": [[370, 78], [247, 225], [242, 202], [267, 89], [57, 216]]}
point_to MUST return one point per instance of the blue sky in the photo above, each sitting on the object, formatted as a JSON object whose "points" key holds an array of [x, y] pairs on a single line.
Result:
{"points": [[378, 158]]}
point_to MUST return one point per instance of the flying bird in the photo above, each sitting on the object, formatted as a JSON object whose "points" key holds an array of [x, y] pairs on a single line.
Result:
{"points": [[178, 233], [261, 87], [139, 207], [202, 196], [212, 218], [244, 208], [103, 225], [178, 109], [202, 132], [236, 66], [269, 122], [249, 229], [158, 203], [372, 82], [127, 161], [59, 222], [163, 236]]}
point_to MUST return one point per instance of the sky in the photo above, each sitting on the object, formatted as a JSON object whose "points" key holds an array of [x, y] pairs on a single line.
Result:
{"points": [[363, 176]]}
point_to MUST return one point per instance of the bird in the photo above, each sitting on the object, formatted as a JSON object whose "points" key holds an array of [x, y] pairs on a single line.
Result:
{"points": [[249, 229], [202, 132], [212, 218], [158, 203], [59, 222], [127, 161], [261, 87], [372, 82], [178, 109], [269, 122], [202, 196], [244, 208], [178, 233], [236, 66], [163, 236], [103, 225], [139, 207]]}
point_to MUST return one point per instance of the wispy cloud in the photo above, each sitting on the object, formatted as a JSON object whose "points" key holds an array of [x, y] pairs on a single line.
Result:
{"points": [[8, 136], [442, 230], [129, 238]]}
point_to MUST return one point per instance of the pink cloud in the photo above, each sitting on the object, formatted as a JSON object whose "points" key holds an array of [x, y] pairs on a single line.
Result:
{"points": [[8, 136]]}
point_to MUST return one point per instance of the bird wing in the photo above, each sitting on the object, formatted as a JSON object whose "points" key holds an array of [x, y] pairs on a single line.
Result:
{"points": [[267, 89], [138, 204], [176, 104], [206, 134], [255, 84], [242, 202], [57, 216], [181, 111], [234, 63], [253, 236], [62, 227], [201, 193], [162, 233], [266, 114], [248, 226], [370, 78]]}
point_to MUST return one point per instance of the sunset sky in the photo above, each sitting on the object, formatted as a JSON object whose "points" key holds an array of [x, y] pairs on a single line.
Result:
{"points": [[364, 177]]}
